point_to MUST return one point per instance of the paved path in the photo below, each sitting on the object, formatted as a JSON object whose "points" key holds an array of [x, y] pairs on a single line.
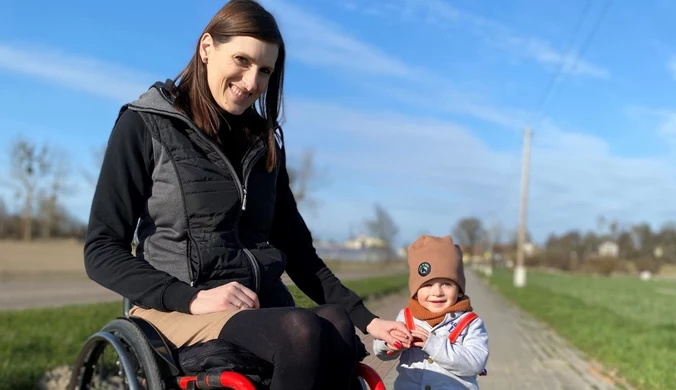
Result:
{"points": [[524, 353], [15, 295]]}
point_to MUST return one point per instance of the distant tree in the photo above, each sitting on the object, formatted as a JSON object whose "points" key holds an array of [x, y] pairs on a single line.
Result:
{"points": [[468, 232], [91, 173], [304, 179], [625, 242], [643, 238], [48, 198], [30, 164], [382, 226], [590, 243], [4, 218], [667, 240]]}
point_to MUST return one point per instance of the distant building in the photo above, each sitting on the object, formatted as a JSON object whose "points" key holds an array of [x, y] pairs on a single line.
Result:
{"points": [[529, 249], [365, 242], [609, 249], [361, 248], [658, 252]]}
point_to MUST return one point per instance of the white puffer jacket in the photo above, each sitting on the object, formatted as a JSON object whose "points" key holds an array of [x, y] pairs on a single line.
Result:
{"points": [[440, 365]]}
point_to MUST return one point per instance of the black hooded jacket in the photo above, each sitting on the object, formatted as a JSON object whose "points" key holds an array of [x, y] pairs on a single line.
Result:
{"points": [[208, 213]]}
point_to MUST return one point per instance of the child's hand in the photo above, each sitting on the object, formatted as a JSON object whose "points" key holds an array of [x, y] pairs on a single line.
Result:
{"points": [[420, 336]]}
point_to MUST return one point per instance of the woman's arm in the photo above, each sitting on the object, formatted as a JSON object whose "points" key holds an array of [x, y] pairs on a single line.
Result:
{"points": [[121, 193], [291, 235]]}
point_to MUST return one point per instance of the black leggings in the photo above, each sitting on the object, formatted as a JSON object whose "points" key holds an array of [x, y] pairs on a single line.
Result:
{"points": [[309, 348]]}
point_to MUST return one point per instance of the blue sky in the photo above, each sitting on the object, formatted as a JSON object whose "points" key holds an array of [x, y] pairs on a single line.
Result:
{"points": [[417, 105]]}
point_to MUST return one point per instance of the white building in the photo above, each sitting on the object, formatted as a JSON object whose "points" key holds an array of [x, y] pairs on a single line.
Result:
{"points": [[609, 249], [364, 242]]}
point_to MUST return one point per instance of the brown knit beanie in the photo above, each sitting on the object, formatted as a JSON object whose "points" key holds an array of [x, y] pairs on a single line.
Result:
{"points": [[434, 257]]}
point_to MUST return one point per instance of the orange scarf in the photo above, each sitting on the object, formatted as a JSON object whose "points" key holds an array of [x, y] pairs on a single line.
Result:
{"points": [[434, 319]]}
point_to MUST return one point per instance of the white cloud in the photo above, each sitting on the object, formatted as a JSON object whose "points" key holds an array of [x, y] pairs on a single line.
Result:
{"points": [[82, 73], [432, 172], [664, 121], [317, 41], [445, 98], [494, 33], [667, 128], [542, 52], [672, 66]]}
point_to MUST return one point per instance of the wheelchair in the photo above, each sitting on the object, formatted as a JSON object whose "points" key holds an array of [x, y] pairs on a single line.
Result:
{"points": [[146, 362]]}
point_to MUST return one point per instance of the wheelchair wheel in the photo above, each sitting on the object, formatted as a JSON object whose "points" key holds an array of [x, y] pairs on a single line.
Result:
{"points": [[135, 368]]}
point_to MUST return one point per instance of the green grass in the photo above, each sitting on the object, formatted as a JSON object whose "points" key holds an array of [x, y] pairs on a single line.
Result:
{"points": [[34, 341], [624, 323]]}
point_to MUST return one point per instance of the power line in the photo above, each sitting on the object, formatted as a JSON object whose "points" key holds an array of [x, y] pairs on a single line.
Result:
{"points": [[519, 279], [559, 72], [555, 76], [586, 43]]}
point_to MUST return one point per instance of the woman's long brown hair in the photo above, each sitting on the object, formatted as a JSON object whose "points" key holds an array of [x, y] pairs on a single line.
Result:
{"points": [[193, 97]]}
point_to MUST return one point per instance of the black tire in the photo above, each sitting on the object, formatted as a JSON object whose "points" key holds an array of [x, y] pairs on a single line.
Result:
{"points": [[141, 351]]}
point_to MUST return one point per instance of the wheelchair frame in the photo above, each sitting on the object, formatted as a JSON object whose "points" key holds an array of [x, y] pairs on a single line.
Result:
{"points": [[137, 342]]}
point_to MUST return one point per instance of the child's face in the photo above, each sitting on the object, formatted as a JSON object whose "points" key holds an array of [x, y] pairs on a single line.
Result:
{"points": [[437, 295]]}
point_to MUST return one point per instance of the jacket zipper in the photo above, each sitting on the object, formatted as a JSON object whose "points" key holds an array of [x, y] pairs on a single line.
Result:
{"points": [[193, 275], [240, 187], [245, 174]]}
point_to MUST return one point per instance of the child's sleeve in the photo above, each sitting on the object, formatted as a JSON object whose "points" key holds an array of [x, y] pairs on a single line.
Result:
{"points": [[468, 358], [380, 348]]}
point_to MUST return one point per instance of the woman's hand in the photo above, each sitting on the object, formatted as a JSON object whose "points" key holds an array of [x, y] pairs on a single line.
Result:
{"points": [[392, 332], [231, 296]]}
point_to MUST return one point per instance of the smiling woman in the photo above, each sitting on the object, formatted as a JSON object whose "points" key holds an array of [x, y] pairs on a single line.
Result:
{"points": [[239, 72], [217, 223]]}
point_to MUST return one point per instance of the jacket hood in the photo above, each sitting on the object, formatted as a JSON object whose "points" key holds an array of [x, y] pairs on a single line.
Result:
{"points": [[157, 98]]}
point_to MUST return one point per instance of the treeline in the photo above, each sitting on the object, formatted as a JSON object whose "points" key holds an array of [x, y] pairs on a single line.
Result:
{"points": [[613, 247], [40, 176]]}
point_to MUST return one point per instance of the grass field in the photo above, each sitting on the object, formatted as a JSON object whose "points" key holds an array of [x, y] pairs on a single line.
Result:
{"points": [[33, 341], [625, 323]]}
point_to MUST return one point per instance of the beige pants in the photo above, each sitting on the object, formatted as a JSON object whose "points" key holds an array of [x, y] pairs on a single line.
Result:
{"points": [[181, 329]]}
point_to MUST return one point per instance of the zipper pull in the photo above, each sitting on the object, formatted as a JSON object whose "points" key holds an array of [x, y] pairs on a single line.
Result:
{"points": [[244, 200]]}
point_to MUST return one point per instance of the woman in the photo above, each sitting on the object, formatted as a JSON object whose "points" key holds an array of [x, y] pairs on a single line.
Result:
{"points": [[199, 174]]}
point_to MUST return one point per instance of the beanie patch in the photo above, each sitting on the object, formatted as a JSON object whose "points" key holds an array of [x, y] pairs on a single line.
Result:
{"points": [[424, 269]]}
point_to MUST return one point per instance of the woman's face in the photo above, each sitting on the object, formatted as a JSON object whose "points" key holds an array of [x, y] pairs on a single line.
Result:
{"points": [[238, 71]]}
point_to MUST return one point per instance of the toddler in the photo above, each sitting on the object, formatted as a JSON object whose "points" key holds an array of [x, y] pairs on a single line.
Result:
{"points": [[450, 343]]}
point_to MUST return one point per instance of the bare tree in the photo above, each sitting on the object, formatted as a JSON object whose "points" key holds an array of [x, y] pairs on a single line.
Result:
{"points": [[643, 238], [382, 226], [4, 218], [91, 174], [29, 165], [468, 232], [304, 179], [50, 196]]}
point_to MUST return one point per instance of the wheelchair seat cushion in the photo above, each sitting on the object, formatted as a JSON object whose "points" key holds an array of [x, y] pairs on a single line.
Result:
{"points": [[220, 354]]}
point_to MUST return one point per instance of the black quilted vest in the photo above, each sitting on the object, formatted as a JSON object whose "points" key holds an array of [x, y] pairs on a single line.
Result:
{"points": [[203, 224]]}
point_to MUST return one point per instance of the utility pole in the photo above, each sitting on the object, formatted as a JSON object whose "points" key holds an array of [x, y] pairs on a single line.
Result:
{"points": [[520, 269]]}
